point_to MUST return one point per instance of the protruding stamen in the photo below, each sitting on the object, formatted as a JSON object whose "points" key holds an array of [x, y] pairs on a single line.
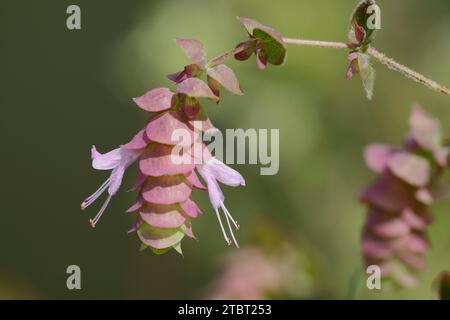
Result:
{"points": [[231, 231], [89, 200], [99, 214], [227, 213], [228, 241]]}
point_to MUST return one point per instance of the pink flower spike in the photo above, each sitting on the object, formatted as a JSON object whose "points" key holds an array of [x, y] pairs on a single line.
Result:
{"points": [[212, 171], [117, 160]]}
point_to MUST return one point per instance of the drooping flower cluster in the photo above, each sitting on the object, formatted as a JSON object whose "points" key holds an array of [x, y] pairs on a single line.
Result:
{"points": [[169, 151], [409, 181]]}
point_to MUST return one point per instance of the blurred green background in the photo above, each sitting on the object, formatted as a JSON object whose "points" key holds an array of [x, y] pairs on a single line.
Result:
{"points": [[63, 91]]}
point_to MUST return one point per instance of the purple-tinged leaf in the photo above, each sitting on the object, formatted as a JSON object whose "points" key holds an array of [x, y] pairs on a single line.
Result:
{"points": [[442, 156], [138, 203], [226, 77], [166, 190], [386, 225], [194, 50], [177, 77], [261, 59], [189, 71], [155, 100], [160, 159], [194, 181], [139, 141], [410, 168], [353, 68], [161, 128], [196, 88], [201, 121], [162, 216], [377, 156], [376, 248], [416, 219], [247, 53], [389, 193], [438, 190], [136, 225], [425, 129], [187, 229], [415, 243], [360, 33], [190, 208]]}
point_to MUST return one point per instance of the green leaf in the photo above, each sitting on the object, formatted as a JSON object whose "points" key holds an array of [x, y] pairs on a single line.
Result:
{"points": [[160, 251], [367, 73], [275, 50], [159, 238], [214, 85], [272, 40], [177, 248]]}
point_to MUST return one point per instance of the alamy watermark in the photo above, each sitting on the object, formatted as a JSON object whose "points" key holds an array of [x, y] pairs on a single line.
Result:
{"points": [[74, 279], [250, 146], [374, 280], [374, 20], [73, 21]]}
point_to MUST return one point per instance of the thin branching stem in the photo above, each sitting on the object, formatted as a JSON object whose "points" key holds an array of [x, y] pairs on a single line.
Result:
{"points": [[380, 57], [320, 44], [371, 51]]}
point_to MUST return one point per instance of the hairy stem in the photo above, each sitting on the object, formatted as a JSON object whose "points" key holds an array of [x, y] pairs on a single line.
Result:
{"points": [[407, 72], [380, 57], [321, 44]]}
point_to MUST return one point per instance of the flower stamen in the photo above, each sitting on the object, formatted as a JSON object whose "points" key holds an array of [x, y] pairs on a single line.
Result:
{"points": [[227, 240], [89, 200], [100, 213], [231, 231], [227, 213]]}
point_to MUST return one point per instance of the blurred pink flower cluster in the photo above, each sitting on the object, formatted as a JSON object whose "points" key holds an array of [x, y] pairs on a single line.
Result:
{"points": [[271, 268], [409, 181]]}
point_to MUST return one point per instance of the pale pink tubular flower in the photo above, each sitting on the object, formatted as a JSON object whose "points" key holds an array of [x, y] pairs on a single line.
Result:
{"points": [[117, 160], [213, 171]]}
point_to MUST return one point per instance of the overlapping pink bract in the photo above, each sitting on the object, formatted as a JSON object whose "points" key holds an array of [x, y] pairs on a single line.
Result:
{"points": [[169, 151], [394, 235]]}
